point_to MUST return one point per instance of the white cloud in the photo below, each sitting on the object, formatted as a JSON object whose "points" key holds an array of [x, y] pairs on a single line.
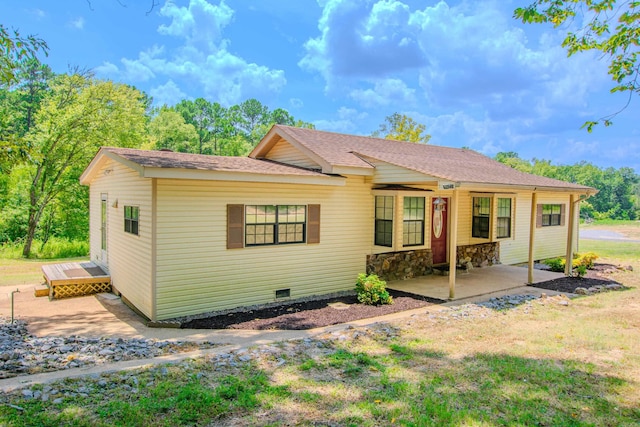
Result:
{"points": [[167, 94], [203, 60], [107, 69], [77, 23], [384, 93]]}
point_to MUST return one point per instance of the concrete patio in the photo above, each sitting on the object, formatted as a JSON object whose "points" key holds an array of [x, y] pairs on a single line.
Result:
{"points": [[474, 283]]}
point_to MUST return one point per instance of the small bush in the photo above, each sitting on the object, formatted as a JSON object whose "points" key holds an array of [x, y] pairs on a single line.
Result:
{"points": [[580, 264], [372, 290]]}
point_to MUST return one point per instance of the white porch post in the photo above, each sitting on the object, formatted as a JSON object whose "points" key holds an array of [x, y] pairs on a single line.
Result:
{"points": [[453, 239], [532, 234], [568, 266]]}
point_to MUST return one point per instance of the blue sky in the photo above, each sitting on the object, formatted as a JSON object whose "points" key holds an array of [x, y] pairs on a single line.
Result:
{"points": [[471, 73]]}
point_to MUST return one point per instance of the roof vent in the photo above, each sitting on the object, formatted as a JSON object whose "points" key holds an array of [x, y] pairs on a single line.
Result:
{"points": [[166, 150]]}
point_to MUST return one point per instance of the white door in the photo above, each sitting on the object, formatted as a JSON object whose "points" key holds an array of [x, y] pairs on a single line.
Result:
{"points": [[103, 228]]}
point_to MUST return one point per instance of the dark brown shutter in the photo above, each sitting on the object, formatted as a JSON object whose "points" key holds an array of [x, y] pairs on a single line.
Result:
{"points": [[538, 216], [313, 224], [562, 214], [235, 226]]}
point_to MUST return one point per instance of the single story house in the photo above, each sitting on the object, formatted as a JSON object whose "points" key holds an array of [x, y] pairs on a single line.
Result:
{"points": [[182, 234]]}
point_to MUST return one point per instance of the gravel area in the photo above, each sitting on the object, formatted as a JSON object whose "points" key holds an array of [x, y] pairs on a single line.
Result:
{"points": [[22, 354]]}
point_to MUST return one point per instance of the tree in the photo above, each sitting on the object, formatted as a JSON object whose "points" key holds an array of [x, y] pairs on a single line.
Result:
{"points": [[78, 116], [199, 113], [608, 26], [400, 127], [168, 130], [14, 49]]}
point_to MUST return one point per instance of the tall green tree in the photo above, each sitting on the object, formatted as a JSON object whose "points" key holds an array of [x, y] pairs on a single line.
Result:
{"points": [[199, 113], [79, 115], [400, 127], [14, 49], [609, 27], [168, 130]]}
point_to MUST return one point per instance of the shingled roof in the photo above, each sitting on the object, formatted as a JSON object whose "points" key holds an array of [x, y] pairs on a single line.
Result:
{"points": [[446, 163], [169, 159]]}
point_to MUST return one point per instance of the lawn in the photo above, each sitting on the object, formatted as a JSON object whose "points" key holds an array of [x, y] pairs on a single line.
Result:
{"points": [[543, 363]]}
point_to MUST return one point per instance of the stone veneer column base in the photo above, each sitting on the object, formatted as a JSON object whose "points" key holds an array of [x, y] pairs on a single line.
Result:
{"points": [[401, 265], [482, 255]]}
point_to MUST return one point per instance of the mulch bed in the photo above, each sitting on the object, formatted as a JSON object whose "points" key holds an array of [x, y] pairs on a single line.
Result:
{"points": [[332, 311], [311, 314], [594, 277]]}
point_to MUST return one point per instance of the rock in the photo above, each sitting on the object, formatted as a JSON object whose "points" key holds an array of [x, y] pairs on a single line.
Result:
{"points": [[613, 287], [582, 291]]}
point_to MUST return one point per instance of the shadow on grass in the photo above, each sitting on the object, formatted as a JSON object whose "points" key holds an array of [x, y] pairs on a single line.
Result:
{"points": [[422, 387]]}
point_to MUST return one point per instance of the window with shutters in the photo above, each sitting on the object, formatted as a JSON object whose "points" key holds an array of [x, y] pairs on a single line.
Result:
{"points": [[275, 224], [551, 215]]}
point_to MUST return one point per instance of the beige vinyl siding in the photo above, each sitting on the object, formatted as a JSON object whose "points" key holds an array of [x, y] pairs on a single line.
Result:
{"points": [[129, 256], [196, 273], [386, 173], [551, 241], [284, 152], [516, 249]]}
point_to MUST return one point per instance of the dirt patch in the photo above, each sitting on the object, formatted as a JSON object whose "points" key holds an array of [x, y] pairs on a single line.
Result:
{"points": [[333, 311], [311, 314]]}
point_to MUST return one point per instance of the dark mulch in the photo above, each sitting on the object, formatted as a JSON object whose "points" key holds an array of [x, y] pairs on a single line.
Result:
{"points": [[315, 314], [594, 277], [311, 314]]}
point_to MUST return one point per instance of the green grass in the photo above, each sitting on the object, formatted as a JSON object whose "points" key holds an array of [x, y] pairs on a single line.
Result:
{"points": [[16, 272], [621, 251], [55, 248]]}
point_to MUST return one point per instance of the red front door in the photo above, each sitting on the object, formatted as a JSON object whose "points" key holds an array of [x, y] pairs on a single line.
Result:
{"points": [[439, 229]]}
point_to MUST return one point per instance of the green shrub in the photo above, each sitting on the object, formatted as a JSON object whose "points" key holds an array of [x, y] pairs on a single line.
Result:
{"points": [[55, 248], [556, 264], [372, 290], [580, 264]]}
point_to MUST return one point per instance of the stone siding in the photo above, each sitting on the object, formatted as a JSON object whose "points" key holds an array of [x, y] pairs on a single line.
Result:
{"points": [[482, 255], [400, 265]]}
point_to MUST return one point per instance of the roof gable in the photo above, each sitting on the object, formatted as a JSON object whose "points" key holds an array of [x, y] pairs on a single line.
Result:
{"points": [[338, 151]]}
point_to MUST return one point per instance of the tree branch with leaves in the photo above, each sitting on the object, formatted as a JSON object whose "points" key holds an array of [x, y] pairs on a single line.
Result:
{"points": [[608, 26]]}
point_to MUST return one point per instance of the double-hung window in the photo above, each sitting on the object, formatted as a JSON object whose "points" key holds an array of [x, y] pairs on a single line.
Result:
{"points": [[131, 219], [551, 215], [384, 221], [481, 217], [274, 225], [504, 218], [413, 222]]}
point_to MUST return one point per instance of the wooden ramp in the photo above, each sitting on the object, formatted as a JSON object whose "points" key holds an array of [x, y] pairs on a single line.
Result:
{"points": [[75, 279]]}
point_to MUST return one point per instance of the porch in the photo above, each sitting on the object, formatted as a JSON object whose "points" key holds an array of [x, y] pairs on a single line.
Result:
{"points": [[476, 282], [74, 279]]}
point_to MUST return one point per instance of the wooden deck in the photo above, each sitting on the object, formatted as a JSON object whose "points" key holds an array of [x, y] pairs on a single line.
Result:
{"points": [[75, 279]]}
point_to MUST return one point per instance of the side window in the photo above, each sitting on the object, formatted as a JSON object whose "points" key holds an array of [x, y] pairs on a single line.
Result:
{"points": [[551, 215], [384, 221], [504, 218], [481, 217], [413, 221], [131, 219]]}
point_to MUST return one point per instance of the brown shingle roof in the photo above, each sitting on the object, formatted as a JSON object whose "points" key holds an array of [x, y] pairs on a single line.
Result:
{"points": [[453, 164], [168, 159]]}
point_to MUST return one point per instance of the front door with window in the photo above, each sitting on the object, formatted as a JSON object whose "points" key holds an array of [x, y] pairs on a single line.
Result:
{"points": [[439, 230]]}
